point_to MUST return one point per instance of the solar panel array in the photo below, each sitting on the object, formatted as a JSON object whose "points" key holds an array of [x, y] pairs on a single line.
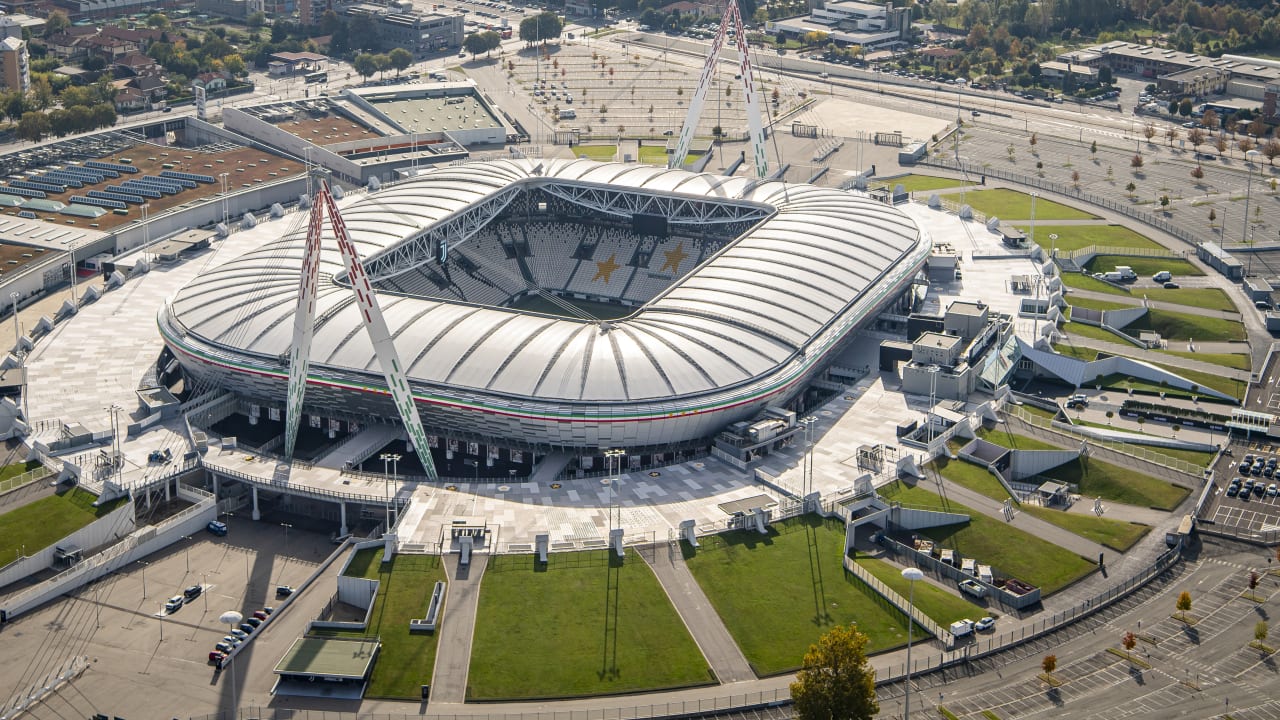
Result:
{"points": [[139, 184], [24, 192], [99, 165], [99, 202], [127, 187], [178, 174], [63, 179], [90, 174], [122, 197], [47, 187]]}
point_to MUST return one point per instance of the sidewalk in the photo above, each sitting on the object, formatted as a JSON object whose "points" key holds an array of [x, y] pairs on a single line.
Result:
{"points": [[1176, 361], [1136, 300]]}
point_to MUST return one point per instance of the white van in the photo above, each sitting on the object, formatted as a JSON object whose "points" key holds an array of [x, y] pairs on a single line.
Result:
{"points": [[568, 114], [960, 628]]}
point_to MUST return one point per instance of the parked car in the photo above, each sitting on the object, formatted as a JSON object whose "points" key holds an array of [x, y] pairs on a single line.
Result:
{"points": [[240, 634], [216, 527], [1162, 276], [1233, 490], [253, 622], [1273, 490], [174, 604], [1171, 286], [1078, 401], [260, 614], [283, 591], [216, 656], [192, 592], [246, 628], [985, 624], [223, 647]]}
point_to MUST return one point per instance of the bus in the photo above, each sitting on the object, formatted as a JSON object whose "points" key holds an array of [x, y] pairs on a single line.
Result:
{"points": [[317, 77]]}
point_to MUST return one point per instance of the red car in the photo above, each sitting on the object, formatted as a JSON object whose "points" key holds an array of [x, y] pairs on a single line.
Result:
{"points": [[215, 657], [261, 615]]}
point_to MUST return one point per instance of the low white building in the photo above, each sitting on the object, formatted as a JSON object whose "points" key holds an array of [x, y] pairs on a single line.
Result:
{"points": [[849, 22]]}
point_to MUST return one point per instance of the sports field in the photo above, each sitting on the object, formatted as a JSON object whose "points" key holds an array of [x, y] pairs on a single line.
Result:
{"points": [[597, 310]]}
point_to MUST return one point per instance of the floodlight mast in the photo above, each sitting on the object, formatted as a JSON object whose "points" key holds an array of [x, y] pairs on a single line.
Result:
{"points": [[374, 323], [732, 18]]}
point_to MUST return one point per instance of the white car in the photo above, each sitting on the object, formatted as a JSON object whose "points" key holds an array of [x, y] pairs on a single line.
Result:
{"points": [[985, 624]]}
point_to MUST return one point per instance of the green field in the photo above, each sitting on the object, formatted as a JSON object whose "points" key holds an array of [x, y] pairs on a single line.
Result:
{"points": [[406, 660], [653, 154], [1207, 298], [1081, 281], [1143, 266], [598, 310], [603, 153], [777, 594], [1235, 361], [1100, 305], [583, 624], [1014, 205], [922, 183], [40, 524], [1123, 485], [1077, 352], [1010, 550], [16, 469], [1115, 534], [1095, 332], [937, 604], [1181, 326], [977, 479], [1074, 237], [1000, 435]]}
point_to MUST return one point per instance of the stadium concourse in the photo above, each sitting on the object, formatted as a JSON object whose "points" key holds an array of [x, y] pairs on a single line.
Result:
{"points": [[99, 359]]}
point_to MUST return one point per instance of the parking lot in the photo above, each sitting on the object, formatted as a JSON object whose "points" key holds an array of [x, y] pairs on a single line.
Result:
{"points": [[1248, 493], [143, 661]]}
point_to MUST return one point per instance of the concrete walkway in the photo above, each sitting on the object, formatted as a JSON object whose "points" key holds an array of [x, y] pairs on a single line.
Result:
{"points": [[1136, 301], [1175, 361], [704, 623], [1023, 521], [453, 651], [1120, 511]]}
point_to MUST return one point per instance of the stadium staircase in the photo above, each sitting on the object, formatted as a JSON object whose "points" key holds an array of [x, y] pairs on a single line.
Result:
{"points": [[550, 468], [360, 448]]}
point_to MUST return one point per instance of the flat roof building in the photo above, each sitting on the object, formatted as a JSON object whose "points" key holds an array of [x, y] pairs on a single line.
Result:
{"points": [[848, 22]]}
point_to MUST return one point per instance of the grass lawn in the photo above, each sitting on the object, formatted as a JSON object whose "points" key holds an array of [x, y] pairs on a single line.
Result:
{"points": [[922, 183], [1115, 534], [1013, 205], [1236, 361], [1181, 326], [653, 154], [1112, 482], [39, 524], [1143, 266], [1207, 298], [1095, 332], [1074, 237], [937, 604], [16, 469], [977, 479], [1000, 435], [1080, 353], [406, 660], [584, 624], [1081, 281], [1010, 550], [778, 593], [1101, 305], [603, 153]]}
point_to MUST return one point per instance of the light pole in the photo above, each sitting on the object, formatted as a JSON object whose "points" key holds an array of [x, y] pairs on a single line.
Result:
{"points": [[806, 476], [911, 575], [144, 565], [231, 619], [17, 334], [933, 393], [394, 459], [224, 196], [187, 551], [1033, 217], [614, 457], [1251, 158]]}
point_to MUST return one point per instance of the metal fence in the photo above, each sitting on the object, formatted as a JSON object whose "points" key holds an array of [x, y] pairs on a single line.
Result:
{"points": [[1137, 452], [24, 479], [1124, 207]]}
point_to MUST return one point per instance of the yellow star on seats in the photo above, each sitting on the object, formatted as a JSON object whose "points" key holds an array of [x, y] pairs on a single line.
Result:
{"points": [[605, 268], [674, 258]]}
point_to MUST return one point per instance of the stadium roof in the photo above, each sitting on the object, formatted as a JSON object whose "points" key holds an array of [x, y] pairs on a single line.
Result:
{"points": [[787, 283]]}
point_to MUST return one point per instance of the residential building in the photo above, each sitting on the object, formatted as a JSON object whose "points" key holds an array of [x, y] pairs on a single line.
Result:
{"points": [[15, 64], [130, 100], [1196, 82], [1240, 75], [1056, 69]]}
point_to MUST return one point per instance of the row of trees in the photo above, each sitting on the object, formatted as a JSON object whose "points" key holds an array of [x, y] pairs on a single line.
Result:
{"points": [[60, 122], [481, 42], [366, 64]]}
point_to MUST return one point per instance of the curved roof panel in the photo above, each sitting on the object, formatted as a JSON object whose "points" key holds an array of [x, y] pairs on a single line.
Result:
{"points": [[749, 309]]}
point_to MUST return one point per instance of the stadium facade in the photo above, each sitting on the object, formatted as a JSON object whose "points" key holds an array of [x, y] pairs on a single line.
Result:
{"points": [[742, 291]]}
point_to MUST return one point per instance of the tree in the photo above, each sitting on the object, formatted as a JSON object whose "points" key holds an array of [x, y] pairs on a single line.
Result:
{"points": [[56, 23], [1093, 149], [473, 44], [1210, 119], [1245, 144], [1149, 131], [1197, 172], [1104, 75], [256, 20], [1184, 107], [365, 65], [1130, 188], [1213, 215], [493, 41], [1221, 145], [1049, 664], [1135, 161], [1260, 632], [1257, 127], [382, 62], [1196, 138], [1164, 203], [1184, 604], [1075, 178], [1129, 641], [542, 27], [1172, 134], [835, 681], [1253, 581], [33, 126], [1271, 150], [401, 59], [1033, 140]]}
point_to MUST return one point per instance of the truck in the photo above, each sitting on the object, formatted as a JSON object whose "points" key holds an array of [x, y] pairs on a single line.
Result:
{"points": [[974, 588], [960, 628], [568, 114], [1126, 273]]}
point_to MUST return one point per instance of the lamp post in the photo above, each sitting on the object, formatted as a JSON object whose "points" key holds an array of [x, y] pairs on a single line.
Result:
{"points": [[933, 393], [911, 575], [187, 552], [231, 619], [144, 565], [614, 458], [394, 459], [806, 476], [1251, 158], [224, 196], [17, 334]]}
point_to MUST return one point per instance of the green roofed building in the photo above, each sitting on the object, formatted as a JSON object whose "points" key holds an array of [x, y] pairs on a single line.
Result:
{"points": [[84, 211], [330, 667], [43, 205], [10, 200]]}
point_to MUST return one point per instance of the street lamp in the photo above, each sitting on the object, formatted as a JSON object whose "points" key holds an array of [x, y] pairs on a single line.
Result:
{"points": [[224, 196], [17, 335], [1251, 158], [231, 619], [614, 458], [285, 552], [806, 476], [911, 575], [144, 565], [392, 458], [187, 551]]}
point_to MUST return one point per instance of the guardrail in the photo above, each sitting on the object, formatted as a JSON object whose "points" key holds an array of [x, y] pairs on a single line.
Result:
{"points": [[1137, 452], [25, 479], [899, 602]]}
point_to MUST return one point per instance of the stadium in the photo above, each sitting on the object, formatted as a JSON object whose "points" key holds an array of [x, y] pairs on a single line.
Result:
{"points": [[561, 305]]}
